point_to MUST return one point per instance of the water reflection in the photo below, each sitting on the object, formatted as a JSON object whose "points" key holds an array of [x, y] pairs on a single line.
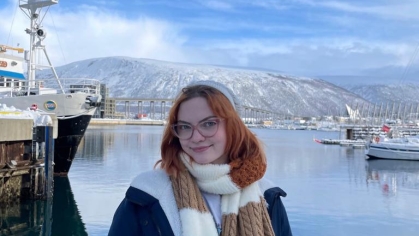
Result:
{"points": [[391, 175], [57, 216], [102, 142], [94, 143], [22, 219], [67, 219]]}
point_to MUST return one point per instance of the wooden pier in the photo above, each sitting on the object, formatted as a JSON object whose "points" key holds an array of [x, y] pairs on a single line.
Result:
{"points": [[23, 167]]}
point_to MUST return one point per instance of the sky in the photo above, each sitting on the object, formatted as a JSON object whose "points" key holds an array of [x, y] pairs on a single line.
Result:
{"points": [[298, 37]]}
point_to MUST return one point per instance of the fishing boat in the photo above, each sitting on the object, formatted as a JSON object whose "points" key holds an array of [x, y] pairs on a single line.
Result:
{"points": [[74, 101], [401, 148]]}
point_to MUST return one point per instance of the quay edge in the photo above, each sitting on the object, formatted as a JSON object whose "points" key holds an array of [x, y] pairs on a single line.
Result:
{"points": [[96, 121], [22, 171]]}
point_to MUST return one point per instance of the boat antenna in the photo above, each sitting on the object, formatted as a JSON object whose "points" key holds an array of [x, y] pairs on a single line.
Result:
{"points": [[33, 8]]}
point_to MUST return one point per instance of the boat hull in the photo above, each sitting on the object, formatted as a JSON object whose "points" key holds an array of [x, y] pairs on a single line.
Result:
{"points": [[394, 152], [70, 133], [63, 105]]}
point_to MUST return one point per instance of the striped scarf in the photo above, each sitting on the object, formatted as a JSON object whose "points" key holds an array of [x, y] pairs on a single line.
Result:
{"points": [[244, 210]]}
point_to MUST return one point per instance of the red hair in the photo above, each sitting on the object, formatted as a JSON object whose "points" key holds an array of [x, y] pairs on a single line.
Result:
{"points": [[241, 142]]}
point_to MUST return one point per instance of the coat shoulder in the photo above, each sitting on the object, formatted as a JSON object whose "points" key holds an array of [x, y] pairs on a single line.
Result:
{"points": [[276, 209], [154, 182], [267, 187], [146, 207]]}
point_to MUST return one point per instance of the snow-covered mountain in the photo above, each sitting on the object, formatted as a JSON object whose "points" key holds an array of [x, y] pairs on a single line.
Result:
{"points": [[145, 78], [387, 93]]}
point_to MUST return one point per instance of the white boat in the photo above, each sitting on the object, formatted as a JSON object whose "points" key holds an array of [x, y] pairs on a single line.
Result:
{"points": [[403, 148], [74, 101]]}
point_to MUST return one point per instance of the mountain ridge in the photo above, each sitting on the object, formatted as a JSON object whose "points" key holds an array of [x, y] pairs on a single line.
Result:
{"points": [[268, 90]]}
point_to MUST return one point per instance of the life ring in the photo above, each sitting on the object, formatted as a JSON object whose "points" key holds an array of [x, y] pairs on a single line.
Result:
{"points": [[377, 139], [34, 107], [3, 63]]}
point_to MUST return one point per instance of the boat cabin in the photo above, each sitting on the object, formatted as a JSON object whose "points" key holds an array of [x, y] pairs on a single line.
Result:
{"points": [[11, 74], [85, 88]]}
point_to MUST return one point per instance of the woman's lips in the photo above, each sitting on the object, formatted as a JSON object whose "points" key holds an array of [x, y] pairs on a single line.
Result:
{"points": [[200, 149]]}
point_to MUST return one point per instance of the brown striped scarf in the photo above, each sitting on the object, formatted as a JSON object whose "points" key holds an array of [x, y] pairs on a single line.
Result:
{"points": [[244, 210]]}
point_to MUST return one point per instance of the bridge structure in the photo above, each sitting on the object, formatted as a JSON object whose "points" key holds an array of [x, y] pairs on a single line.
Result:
{"points": [[157, 108]]}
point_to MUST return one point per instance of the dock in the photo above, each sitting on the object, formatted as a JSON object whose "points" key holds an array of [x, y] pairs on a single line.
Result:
{"points": [[24, 148], [360, 143]]}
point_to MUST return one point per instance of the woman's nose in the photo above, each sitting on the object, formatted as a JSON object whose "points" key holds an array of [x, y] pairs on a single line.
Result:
{"points": [[197, 136]]}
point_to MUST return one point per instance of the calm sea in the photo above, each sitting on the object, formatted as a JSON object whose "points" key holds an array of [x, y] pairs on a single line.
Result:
{"points": [[332, 190]]}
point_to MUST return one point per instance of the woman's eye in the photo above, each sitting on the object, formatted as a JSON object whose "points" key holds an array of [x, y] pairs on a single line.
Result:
{"points": [[209, 123], [184, 127]]}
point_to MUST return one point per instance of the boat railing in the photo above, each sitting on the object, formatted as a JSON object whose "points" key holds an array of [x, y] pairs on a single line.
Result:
{"points": [[50, 86]]}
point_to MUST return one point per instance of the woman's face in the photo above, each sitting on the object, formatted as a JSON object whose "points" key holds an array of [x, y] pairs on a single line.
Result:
{"points": [[204, 150]]}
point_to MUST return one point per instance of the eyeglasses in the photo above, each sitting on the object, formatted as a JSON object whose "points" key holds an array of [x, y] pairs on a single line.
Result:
{"points": [[206, 128]]}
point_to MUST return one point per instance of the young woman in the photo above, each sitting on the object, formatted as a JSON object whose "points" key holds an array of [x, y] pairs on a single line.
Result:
{"points": [[209, 179]]}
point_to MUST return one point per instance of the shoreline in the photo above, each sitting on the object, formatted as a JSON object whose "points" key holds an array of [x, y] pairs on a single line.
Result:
{"points": [[100, 121]]}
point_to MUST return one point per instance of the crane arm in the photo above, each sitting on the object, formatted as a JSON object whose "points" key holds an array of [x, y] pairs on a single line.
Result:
{"points": [[4, 48]]}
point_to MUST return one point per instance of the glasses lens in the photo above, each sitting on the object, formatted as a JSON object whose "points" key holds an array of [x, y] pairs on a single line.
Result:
{"points": [[183, 131], [208, 128]]}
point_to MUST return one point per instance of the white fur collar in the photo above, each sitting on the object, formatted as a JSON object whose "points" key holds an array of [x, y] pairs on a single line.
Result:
{"points": [[157, 184]]}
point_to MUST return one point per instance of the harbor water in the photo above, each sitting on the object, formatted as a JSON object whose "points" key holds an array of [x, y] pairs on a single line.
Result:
{"points": [[332, 190]]}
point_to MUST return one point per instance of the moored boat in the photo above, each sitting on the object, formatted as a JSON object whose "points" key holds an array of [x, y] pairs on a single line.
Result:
{"points": [[342, 142], [327, 141], [74, 101], [403, 148]]}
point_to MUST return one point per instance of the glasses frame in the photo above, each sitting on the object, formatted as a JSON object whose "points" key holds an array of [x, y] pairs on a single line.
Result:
{"points": [[195, 127]]}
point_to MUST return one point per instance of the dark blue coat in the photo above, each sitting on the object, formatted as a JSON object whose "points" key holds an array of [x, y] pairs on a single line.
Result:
{"points": [[141, 214]]}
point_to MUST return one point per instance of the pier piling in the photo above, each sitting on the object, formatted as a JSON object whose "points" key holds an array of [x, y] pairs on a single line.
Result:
{"points": [[26, 159]]}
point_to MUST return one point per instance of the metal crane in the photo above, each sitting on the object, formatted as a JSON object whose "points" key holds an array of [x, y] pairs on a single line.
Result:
{"points": [[4, 48]]}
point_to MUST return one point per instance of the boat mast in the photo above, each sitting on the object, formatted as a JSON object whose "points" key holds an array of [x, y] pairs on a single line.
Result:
{"points": [[33, 8]]}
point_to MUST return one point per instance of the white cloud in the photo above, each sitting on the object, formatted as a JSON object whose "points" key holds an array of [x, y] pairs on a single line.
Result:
{"points": [[89, 32], [99, 34], [399, 10], [317, 56], [92, 32]]}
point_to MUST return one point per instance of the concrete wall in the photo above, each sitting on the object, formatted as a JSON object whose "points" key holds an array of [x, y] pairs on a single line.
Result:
{"points": [[15, 129]]}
